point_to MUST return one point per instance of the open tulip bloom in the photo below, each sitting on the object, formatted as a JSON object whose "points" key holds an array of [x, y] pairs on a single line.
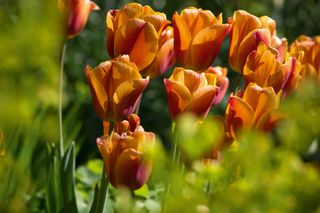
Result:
{"points": [[309, 50], [263, 68], [135, 30], [77, 12], [189, 91], [198, 36], [123, 153], [246, 34], [116, 87], [256, 108]]}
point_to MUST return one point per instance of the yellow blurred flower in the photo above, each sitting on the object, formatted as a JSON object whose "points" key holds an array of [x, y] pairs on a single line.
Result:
{"points": [[123, 153], [77, 12], [116, 87], [189, 91], [247, 32], [256, 108], [135, 30], [198, 36]]}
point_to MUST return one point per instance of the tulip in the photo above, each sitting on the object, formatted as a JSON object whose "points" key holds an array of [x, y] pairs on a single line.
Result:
{"points": [[116, 87], [198, 36], [165, 56], [263, 68], [77, 12], [135, 30], [247, 32], [255, 109], [124, 153], [310, 59], [189, 91]]}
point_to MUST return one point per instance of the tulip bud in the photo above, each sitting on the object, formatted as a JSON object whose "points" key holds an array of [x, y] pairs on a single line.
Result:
{"points": [[189, 91], [135, 30], [256, 109], [123, 153], [77, 12], [116, 87], [246, 34], [198, 36]]}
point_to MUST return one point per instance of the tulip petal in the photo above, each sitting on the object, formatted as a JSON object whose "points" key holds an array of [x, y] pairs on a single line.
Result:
{"points": [[126, 36], [178, 97], [110, 33], [126, 97], [206, 45], [267, 102], [243, 112], [182, 34], [145, 47], [96, 80], [202, 100], [130, 171]]}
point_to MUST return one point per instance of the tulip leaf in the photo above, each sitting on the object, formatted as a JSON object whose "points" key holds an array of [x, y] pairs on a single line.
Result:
{"points": [[95, 199], [53, 198], [68, 180]]}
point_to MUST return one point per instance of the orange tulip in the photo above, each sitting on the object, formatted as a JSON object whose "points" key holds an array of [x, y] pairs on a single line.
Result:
{"points": [[247, 32], [263, 69], [135, 30], [310, 58], [116, 87], [123, 153], [198, 36], [256, 108], [77, 12], [189, 91], [165, 55]]}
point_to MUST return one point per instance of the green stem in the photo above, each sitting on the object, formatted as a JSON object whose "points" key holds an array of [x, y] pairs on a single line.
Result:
{"points": [[63, 51]]}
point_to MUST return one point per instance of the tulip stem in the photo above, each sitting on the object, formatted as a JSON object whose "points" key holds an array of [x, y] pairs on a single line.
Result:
{"points": [[63, 51]]}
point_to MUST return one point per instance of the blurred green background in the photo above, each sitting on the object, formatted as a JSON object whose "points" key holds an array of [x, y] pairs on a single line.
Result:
{"points": [[30, 45]]}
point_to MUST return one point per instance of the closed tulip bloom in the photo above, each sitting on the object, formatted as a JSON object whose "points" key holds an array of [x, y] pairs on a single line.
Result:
{"points": [[165, 55], [189, 91], [263, 68], [77, 12], [116, 87], [198, 36], [246, 34], [310, 57], [123, 153], [256, 108], [135, 30]]}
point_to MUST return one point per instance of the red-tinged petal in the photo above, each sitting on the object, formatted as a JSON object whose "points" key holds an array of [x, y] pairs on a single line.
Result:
{"points": [[126, 36], [178, 97], [128, 12], [126, 97], [202, 100], [269, 120], [243, 113], [145, 48], [130, 170]]}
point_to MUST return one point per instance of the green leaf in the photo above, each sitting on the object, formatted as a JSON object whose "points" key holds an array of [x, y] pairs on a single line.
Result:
{"points": [[68, 180]]}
